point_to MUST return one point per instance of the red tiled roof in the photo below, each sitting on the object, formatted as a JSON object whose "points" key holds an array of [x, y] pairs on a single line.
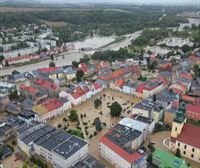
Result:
{"points": [[28, 88], [47, 70], [97, 85], [188, 98], [140, 88], [52, 104], [193, 108], [79, 91], [31, 57], [45, 84], [131, 158], [190, 135], [186, 76], [119, 83]]}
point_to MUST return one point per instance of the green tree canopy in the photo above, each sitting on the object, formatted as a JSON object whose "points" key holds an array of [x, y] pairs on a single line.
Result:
{"points": [[97, 103], [52, 64], [115, 109], [79, 75], [73, 115]]}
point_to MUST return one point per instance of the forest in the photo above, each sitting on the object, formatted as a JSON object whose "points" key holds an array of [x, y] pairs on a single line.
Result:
{"points": [[81, 23]]}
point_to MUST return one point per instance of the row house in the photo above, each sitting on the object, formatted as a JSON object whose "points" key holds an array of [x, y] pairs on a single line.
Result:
{"points": [[78, 94], [50, 109], [20, 59]]}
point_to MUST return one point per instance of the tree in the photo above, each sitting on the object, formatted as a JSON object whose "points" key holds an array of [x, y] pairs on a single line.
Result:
{"points": [[149, 158], [15, 72], [196, 71], [178, 153], [97, 123], [1, 58], [115, 109], [13, 95], [79, 75], [14, 142], [75, 64], [97, 103], [185, 48], [73, 115], [52, 64]]}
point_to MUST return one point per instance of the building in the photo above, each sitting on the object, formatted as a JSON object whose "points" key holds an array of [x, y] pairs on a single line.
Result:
{"points": [[59, 148], [20, 59], [119, 147], [185, 137], [28, 116], [9, 127], [88, 162], [23, 51], [135, 124], [193, 111], [78, 93], [164, 159], [6, 88], [50, 109], [150, 109], [28, 91]]}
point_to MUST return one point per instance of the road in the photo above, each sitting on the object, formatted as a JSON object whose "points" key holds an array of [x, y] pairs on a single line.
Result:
{"points": [[59, 61]]}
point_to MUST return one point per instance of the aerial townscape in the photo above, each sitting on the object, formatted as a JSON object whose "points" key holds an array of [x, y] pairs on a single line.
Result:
{"points": [[113, 84]]}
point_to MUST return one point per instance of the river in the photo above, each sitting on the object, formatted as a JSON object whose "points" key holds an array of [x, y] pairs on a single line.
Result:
{"points": [[95, 42]]}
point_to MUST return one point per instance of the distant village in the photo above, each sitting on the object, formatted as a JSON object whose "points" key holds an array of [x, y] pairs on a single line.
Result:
{"points": [[66, 116]]}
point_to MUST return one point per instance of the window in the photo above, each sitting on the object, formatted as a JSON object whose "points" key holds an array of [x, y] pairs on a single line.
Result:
{"points": [[185, 146], [184, 152], [193, 149], [192, 155]]}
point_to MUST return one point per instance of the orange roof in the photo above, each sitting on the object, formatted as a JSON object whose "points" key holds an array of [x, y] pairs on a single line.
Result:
{"points": [[119, 83], [188, 98]]}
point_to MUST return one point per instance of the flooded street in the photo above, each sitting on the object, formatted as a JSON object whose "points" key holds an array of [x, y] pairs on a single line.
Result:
{"points": [[87, 108], [59, 61]]}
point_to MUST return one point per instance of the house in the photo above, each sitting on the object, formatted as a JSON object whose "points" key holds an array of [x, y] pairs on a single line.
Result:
{"points": [[98, 86], [47, 85], [119, 147], [16, 78], [154, 86], [136, 124], [149, 109], [5, 152], [88, 162], [28, 116], [50, 109], [78, 93], [58, 148], [193, 110], [28, 91], [70, 73], [20, 59], [13, 108], [185, 137], [164, 159], [6, 88], [129, 87]]}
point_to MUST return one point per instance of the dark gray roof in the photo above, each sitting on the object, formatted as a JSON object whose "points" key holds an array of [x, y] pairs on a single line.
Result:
{"points": [[69, 147], [37, 134], [122, 135], [88, 162]]}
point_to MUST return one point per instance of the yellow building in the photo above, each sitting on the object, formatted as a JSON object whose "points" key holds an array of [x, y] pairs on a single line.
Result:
{"points": [[185, 137]]}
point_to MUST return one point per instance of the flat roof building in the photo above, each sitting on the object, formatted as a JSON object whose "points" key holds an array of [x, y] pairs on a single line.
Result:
{"points": [[59, 148]]}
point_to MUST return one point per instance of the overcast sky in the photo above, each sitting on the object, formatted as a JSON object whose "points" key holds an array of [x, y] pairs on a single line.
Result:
{"points": [[131, 1]]}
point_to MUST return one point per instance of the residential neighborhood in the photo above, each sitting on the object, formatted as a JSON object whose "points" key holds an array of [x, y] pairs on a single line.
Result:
{"points": [[137, 106]]}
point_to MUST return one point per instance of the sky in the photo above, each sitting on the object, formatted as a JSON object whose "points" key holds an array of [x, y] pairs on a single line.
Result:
{"points": [[130, 1]]}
